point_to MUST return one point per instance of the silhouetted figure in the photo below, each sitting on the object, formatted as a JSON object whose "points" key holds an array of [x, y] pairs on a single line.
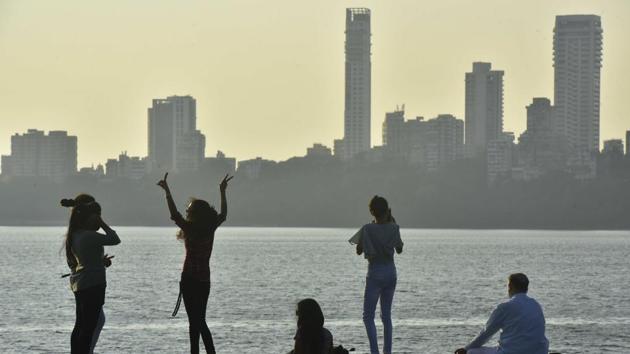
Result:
{"points": [[377, 242], [107, 261], [87, 262], [520, 320], [197, 232], [311, 336]]}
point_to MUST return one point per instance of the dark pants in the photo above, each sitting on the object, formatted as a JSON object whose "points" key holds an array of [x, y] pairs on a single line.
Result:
{"points": [[89, 304], [195, 294]]}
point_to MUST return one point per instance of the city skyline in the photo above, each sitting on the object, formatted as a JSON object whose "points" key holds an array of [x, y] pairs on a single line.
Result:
{"points": [[243, 142]]}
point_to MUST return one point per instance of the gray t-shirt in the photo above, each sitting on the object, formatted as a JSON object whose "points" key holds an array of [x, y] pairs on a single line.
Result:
{"points": [[378, 241], [87, 247]]}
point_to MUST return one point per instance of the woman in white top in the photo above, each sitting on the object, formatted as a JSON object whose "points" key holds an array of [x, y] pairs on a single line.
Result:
{"points": [[377, 242], [87, 262]]}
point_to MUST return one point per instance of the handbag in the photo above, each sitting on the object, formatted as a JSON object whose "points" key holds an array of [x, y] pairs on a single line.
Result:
{"points": [[179, 301]]}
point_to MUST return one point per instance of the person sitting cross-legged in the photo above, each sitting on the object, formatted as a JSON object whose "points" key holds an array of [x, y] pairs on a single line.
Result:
{"points": [[520, 320]]}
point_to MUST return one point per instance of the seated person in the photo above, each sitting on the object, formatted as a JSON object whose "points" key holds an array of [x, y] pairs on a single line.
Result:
{"points": [[311, 336], [520, 320]]}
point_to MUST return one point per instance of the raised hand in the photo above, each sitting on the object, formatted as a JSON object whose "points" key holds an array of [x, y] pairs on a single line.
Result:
{"points": [[224, 183], [107, 260], [162, 183]]}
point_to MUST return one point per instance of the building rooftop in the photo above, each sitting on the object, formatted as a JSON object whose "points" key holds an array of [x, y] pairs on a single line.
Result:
{"points": [[358, 10], [576, 22]]}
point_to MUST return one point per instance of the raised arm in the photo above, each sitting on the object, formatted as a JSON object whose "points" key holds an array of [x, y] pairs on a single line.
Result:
{"points": [[172, 208], [111, 237], [222, 188]]}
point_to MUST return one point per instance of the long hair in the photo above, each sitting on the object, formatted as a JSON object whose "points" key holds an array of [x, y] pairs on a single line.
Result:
{"points": [[83, 206], [202, 216], [310, 324]]}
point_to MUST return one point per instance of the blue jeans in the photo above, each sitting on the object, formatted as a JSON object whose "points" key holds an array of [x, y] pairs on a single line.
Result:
{"points": [[380, 283]]}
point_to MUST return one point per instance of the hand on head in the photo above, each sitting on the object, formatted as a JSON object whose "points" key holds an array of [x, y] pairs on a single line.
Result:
{"points": [[99, 220], [162, 183], [224, 183], [95, 222]]}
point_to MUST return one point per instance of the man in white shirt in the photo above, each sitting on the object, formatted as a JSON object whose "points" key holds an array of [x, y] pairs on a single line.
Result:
{"points": [[520, 320]]}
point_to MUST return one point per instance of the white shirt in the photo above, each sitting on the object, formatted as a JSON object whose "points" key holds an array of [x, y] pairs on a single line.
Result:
{"points": [[87, 247], [378, 241], [522, 326]]}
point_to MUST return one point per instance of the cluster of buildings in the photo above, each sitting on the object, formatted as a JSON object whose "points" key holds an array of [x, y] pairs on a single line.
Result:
{"points": [[430, 143], [560, 136], [174, 144], [38, 154]]}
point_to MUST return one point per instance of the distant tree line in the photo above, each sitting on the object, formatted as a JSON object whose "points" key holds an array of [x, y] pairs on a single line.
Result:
{"points": [[324, 192]]}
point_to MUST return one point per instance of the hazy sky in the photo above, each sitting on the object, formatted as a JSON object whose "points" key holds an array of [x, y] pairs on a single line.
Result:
{"points": [[268, 74]]}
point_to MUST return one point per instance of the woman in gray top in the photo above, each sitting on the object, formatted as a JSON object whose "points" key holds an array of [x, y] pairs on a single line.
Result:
{"points": [[87, 262], [377, 242]]}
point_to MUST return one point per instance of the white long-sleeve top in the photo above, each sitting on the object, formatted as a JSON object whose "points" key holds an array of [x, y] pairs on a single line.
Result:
{"points": [[522, 326], [87, 247]]}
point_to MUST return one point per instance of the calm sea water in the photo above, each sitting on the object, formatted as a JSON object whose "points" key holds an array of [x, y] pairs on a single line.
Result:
{"points": [[449, 281]]}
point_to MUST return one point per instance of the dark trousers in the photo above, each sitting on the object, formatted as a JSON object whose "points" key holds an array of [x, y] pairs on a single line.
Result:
{"points": [[89, 303], [195, 294]]}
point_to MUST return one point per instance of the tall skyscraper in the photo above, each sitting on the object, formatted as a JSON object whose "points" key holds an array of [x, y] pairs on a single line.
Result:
{"points": [[577, 50], [357, 112], [35, 154], [175, 144], [484, 107], [628, 143]]}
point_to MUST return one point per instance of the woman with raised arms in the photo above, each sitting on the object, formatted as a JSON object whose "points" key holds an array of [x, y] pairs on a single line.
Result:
{"points": [[197, 231]]}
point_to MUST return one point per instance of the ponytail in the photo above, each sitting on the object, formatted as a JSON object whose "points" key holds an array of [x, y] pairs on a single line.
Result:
{"points": [[78, 205], [68, 203]]}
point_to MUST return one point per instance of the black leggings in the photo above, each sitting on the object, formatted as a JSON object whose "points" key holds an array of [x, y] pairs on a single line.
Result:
{"points": [[89, 304], [195, 294]]}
